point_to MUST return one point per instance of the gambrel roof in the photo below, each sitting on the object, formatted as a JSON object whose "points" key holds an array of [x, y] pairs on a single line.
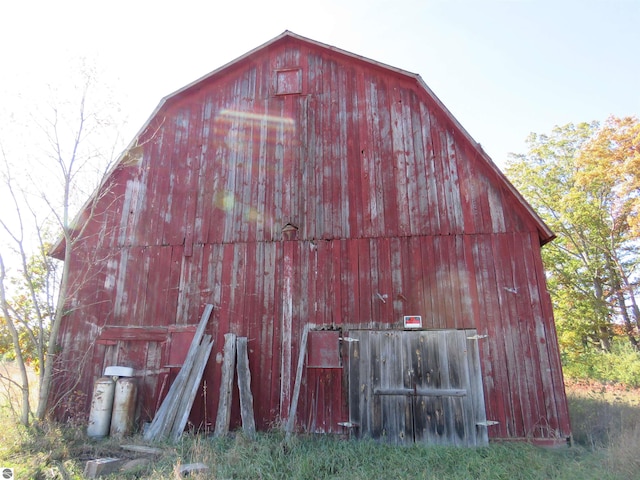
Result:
{"points": [[207, 81]]}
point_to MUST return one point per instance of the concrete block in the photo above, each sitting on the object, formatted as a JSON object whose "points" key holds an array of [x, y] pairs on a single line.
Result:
{"points": [[102, 466]]}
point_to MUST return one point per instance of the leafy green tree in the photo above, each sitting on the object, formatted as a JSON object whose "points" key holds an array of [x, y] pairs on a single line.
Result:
{"points": [[30, 308], [584, 181], [612, 157]]}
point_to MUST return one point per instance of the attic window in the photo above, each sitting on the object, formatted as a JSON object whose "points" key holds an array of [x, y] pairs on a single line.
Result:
{"points": [[289, 81]]}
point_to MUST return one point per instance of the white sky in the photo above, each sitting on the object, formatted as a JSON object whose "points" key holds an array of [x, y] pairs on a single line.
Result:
{"points": [[504, 68]]}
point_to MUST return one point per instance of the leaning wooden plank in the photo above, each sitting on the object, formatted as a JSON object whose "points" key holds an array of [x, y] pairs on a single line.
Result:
{"points": [[143, 449], [226, 385], [177, 402], [244, 387], [191, 388], [165, 416], [296, 389]]}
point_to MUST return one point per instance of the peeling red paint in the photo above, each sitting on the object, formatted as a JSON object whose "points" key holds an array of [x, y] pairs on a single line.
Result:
{"points": [[392, 210]]}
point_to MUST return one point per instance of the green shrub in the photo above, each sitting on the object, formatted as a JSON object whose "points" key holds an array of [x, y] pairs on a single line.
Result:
{"points": [[621, 365]]}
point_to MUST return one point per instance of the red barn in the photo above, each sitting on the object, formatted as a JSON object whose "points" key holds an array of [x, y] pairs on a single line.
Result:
{"points": [[304, 187]]}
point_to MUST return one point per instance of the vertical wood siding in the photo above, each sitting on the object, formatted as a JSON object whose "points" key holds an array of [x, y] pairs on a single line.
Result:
{"points": [[417, 386], [361, 153], [396, 214]]}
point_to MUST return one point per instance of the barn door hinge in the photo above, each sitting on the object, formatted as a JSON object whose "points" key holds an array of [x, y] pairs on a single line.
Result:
{"points": [[477, 337], [487, 423], [350, 339]]}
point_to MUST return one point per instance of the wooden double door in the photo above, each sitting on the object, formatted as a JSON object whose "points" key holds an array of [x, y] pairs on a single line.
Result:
{"points": [[416, 386]]}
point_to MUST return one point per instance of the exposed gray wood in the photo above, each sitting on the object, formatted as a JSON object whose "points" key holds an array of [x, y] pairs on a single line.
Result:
{"points": [[417, 386], [475, 379], [389, 413], [143, 449], [296, 389], [244, 387], [423, 392], [286, 335], [354, 383], [226, 385], [102, 466], [452, 359], [366, 383], [191, 387], [165, 416]]}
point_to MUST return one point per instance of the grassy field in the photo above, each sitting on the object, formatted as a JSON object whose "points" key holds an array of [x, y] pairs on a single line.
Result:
{"points": [[606, 425]]}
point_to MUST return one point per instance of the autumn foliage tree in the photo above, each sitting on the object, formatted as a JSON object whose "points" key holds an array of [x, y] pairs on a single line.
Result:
{"points": [[584, 180]]}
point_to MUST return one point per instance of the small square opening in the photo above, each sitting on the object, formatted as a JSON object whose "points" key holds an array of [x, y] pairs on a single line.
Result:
{"points": [[324, 349], [289, 81]]}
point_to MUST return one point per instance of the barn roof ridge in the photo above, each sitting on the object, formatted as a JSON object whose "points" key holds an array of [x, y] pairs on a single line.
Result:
{"points": [[276, 39], [545, 233]]}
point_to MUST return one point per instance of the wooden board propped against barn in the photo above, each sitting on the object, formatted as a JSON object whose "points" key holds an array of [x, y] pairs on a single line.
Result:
{"points": [[235, 354], [226, 385], [244, 387], [171, 417]]}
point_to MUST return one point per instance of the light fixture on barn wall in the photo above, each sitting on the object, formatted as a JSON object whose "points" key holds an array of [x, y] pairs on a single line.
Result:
{"points": [[289, 232]]}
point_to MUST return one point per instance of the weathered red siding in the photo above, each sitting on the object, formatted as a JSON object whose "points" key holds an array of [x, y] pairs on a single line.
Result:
{"points": [[397, 212]]}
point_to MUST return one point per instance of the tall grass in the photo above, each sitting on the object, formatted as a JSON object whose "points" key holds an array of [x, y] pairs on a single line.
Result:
{"points": [[62, 453], [600, 413], [10, 394], [606, 432], [605, 419]]}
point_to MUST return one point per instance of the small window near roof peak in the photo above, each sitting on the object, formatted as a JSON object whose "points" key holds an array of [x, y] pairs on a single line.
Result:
{"points": [[289, 81]]}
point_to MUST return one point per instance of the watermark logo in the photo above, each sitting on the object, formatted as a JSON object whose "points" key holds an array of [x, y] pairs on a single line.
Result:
{"points": [[7, 472]]}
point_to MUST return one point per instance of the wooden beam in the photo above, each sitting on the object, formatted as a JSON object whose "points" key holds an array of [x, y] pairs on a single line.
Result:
{"points": [[165, 416], [422, 392], [147, 334], [288, 282], [143, 449], [296, 389], [191, 388], [226, 385], [244, 387]]}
